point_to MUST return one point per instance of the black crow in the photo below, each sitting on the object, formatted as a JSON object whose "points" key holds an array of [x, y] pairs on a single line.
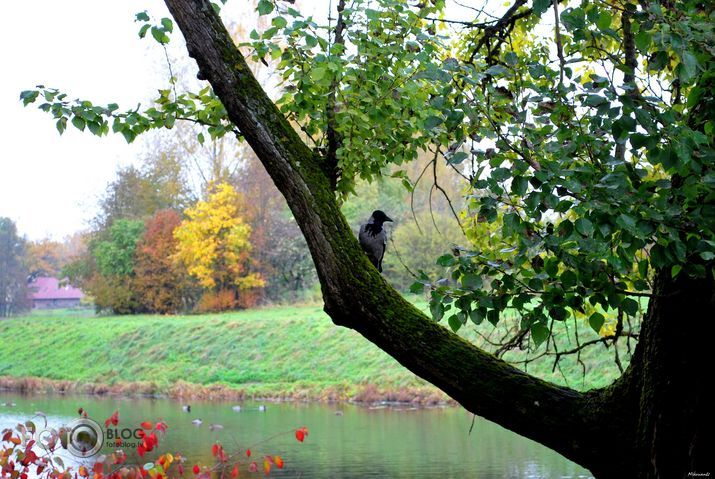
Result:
{"points": [[373, 238]]}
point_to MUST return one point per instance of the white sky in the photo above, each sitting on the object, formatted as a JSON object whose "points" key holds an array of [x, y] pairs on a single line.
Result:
{"points": [[87, 48], [49, 184]]}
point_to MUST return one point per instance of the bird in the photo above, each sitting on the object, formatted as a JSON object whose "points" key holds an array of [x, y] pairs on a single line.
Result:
{"points": [[262, 408], [186, 408], [373, 238], [236, 408], [197, 422]]}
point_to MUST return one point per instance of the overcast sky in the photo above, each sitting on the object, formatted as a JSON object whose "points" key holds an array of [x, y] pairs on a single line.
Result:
{"points": [[49, 183], [88, 48]]}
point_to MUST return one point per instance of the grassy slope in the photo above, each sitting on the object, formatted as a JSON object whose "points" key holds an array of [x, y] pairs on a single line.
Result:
{"points": [[262, 350]]}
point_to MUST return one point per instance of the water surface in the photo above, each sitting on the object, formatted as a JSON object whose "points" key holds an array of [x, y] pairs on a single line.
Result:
{"points": [[357, 442]]}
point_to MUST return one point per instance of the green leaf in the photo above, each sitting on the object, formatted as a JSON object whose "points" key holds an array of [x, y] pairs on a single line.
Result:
{"points": [[446, 260], [630, 306], [61, 125], [28, 96], [493, 316], [540, 6], [279, 22], [539, 333], [264, 7], [457, 158], [159, 35], [143, 30], [417, 287], [497, 70], [596, 321], [604, 21], [519, 185], [478, 315], [318, 73], [432, 122], [584, 226], [142, 17], [627, 222], [568, 279], [689, 66], [78, 122], [437, 310], [167, 24], [472, 281], [454, 323], [643, 39]]}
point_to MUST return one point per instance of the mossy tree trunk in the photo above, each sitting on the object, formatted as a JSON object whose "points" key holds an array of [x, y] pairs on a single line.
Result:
{"points": [[649, 423]]}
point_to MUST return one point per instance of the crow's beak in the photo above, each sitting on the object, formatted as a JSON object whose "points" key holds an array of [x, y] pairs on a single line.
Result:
{"points": [[387, 218]]}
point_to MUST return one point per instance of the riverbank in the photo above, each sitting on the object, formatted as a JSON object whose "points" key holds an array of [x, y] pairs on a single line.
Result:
{"points": [[279, 353]]}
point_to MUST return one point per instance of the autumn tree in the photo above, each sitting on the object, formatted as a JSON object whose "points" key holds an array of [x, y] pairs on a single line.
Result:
{"points": [[588, 145], [13, 269], [162, 283], [214, 244], [45, 258]]}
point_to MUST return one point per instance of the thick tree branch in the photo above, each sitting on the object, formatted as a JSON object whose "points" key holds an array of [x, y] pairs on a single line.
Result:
{"points": [[357, 296]]}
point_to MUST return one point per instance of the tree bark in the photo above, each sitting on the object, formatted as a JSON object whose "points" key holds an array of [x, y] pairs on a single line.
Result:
{"points": [[603, 430]]}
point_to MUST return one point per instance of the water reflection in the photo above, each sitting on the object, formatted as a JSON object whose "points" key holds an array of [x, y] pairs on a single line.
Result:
{"points": [[344, 441]]}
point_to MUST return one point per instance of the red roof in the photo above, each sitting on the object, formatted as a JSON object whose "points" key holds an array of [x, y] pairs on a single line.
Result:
{"points": [[48, 288]]}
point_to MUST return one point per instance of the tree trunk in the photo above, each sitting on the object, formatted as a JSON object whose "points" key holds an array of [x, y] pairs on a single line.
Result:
{"points": [[602, 430], [675, 418]]}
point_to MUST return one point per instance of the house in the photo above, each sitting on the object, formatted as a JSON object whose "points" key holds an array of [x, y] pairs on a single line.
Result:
{"points": [[47, 293]]}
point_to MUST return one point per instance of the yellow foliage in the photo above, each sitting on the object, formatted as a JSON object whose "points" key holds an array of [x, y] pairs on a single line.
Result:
{"points": [[213, 242]]}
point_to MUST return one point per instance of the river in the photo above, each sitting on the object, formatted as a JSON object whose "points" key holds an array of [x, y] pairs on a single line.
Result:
{"points": [[344, 440]]}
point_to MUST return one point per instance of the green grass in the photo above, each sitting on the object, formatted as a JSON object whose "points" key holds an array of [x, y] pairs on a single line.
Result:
{"points": [[273, 349]]}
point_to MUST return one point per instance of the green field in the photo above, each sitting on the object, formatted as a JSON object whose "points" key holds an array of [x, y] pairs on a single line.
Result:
{"points": [[280, 351]]}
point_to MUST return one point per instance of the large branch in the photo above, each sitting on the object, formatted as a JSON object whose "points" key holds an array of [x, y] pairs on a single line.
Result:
{"points": [[356, 295]]}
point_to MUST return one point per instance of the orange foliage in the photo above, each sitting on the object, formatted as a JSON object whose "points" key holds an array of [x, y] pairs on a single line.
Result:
{"points": [[162, 284]]}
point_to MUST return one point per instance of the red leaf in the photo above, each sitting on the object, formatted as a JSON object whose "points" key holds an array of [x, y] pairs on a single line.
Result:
{"points": [[301, 433], [141, 450], [248, 453], [181, 470], [278, 461], [234, 471], [253, 467], [147, 425], [214, 450], [113, 419], [141, 434], [161, 426], [7, 435], [196, 469], [98, 468]]}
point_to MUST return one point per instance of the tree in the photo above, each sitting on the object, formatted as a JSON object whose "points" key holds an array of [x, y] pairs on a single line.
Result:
{"points": [[604, 174], [111, 273], [13, 271], [162, 283], [45, 258], [214, 243], [136, 194]]}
